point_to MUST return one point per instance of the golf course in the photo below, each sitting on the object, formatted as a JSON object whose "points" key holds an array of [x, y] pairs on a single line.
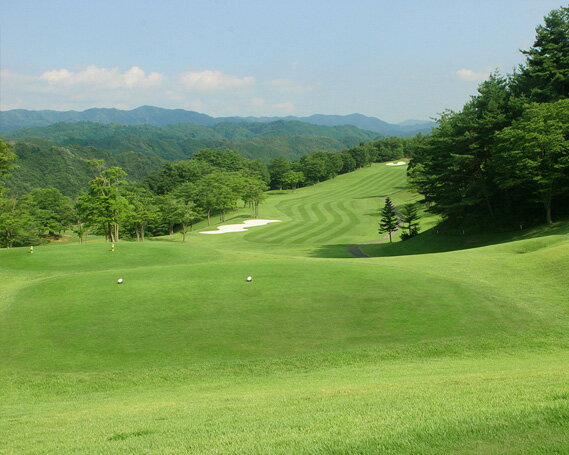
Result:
{"points": [[438, 344]]}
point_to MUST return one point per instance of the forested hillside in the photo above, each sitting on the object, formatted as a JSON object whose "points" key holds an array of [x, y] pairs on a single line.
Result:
{"points": [[265, 141]]}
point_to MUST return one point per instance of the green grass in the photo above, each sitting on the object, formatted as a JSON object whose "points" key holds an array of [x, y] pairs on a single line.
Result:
{"points": [[438, 345]]}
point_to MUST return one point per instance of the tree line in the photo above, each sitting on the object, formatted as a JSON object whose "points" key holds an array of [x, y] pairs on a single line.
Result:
{"points": [[174, 197], [503, 160]]}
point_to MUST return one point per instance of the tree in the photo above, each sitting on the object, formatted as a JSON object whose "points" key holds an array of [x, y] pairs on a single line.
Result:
{"points": [[252, 191], [104, 206], [53, 211], [215, 192], [144, 211], [292, 179], [545, 75], [452, 168], [187, 213], [17, 226], [7, 158], [388, 222], [409, 218], [534, 152], [278, 167]]}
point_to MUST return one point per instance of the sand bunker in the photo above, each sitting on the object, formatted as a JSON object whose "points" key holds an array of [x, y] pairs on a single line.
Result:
{"points": [[399, 163], [240, 227]]}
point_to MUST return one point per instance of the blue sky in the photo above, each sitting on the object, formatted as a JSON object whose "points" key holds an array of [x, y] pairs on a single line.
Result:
{"points": [[393, 60]]}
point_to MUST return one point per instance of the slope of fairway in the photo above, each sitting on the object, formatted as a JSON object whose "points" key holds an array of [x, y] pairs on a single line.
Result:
{"points": [[459, 352]]}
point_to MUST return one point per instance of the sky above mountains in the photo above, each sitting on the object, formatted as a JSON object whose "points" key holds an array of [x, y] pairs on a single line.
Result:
{"points": [[392, 60]]}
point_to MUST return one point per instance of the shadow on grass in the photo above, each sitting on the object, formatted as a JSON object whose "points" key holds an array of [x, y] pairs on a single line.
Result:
{"points": [[430, 241]]}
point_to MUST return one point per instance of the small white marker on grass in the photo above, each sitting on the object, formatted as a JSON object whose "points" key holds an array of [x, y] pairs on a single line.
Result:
{"points": [[120, 281], [249, 279]]}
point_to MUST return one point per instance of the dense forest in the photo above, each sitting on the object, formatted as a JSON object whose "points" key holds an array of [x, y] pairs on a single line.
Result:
{"points": [[503, 160], [174, 142]]}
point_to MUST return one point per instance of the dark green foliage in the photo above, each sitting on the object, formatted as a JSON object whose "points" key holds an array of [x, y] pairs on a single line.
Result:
{"points": [[410, 220], [533, 154], [545, 75], [253, 140], [44, 164], [105, 208], [501, 162], [18, 227], [53, 211], [389, 222], [7, 158]]}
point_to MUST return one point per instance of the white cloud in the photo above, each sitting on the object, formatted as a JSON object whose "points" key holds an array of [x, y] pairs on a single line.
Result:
{"points": [[209, 80], [286, 107], [470, 75], [102, 77]]}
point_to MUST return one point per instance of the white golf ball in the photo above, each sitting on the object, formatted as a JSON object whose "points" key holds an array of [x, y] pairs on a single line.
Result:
{"points": [[249, 278], [120, 281]]}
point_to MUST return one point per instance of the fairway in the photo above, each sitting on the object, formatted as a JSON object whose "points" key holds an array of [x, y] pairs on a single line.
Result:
{"points": [[461, 349]]}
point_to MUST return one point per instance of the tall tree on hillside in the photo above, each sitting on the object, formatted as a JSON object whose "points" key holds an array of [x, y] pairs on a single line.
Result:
{"points": [[545, 75], [389, 221], [534, 153], [104, 206]]}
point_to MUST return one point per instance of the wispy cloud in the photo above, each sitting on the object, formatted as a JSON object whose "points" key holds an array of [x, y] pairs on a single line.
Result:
{"points": [[92, 75], [210, 80], [473, 76], [210, 91]]}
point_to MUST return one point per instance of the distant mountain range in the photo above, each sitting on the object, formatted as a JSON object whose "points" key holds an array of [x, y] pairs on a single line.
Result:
{"points": [[150, 115]]}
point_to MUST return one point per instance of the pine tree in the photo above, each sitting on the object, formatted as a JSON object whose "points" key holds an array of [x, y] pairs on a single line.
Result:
{"points": [[409, 217], [388, 222]]}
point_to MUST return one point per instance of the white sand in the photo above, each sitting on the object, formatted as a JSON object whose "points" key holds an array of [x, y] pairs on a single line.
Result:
{"points": [[239, 227], [399, 163]]}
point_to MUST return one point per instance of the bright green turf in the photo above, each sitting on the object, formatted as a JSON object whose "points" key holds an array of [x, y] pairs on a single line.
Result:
{"points": [[465, 351]]}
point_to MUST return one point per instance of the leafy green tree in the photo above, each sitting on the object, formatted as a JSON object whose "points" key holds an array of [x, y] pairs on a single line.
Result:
{"points": [[291, 179], [17, 225], [53, 211], [215, 192], [252, 191], [410, 220], [144, 211], [453, 169], [171, 175], [545, 75], [389, 221], [188, 213], [278, 167], [534, 152], [7, 158], [104, 206]]}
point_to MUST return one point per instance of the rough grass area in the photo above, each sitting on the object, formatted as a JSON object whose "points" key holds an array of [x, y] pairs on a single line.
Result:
{"points": [[463, 351]]}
